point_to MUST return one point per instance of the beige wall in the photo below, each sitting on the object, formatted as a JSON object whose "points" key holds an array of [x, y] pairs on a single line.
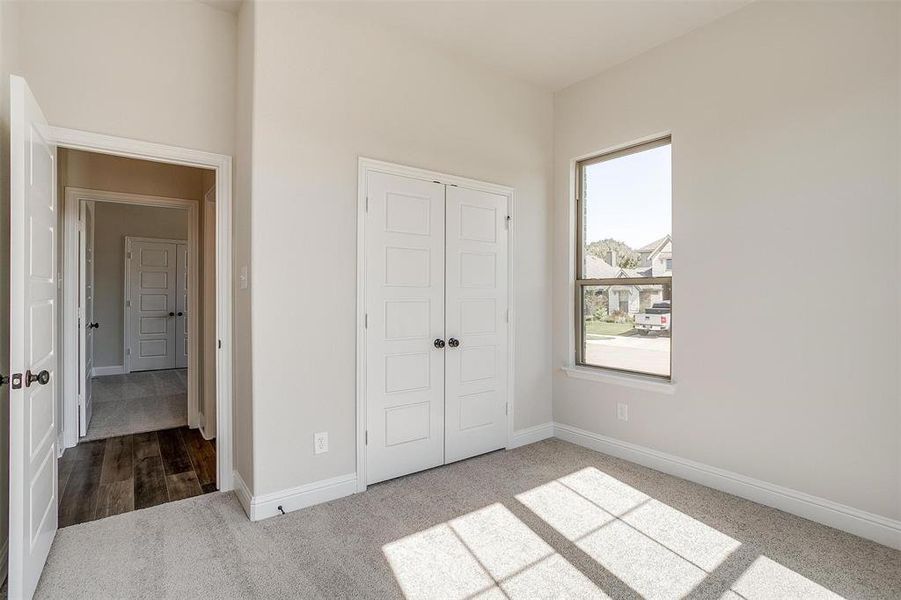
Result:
{"points": [[156, 71], [242, 334], [112, 222], [9, 55], [328, 88], [785, 124]]}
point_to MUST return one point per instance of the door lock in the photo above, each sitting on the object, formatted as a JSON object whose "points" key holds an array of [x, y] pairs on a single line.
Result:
{"points": [[43, 378], [439, 343]]}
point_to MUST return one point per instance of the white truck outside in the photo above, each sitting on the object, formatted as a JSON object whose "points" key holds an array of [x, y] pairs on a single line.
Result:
{"points": [[657, 318]]}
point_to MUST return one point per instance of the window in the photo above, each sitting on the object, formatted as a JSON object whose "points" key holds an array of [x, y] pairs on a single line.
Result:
{"points": [[624, 252]]}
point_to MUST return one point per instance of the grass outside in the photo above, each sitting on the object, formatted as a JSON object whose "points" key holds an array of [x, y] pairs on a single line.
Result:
{"points": [[604, 328]]}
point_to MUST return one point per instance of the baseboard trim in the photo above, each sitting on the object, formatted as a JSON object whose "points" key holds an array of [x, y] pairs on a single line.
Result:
{"points": [[846, 518], [266, 505], [110, 370], [243, 493], [530, 435]]}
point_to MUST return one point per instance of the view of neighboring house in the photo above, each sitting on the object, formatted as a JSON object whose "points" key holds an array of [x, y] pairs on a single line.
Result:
{"points": [[656, 260]]}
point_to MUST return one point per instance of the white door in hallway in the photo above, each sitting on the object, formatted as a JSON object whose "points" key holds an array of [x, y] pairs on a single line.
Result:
{"points": [[86, 321], [181, 307], [33, 492], [476, 323], [152, 303], [404, 284]]}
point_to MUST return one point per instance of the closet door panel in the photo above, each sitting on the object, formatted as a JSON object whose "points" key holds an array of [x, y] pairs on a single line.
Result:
{"points": [[476, 358], [404, 289]]}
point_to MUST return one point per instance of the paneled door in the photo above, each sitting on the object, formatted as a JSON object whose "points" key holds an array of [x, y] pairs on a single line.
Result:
{"points": [[181, 307], [33, 492], [404, 283], [86, 313], [152, 303], [476, 323]]}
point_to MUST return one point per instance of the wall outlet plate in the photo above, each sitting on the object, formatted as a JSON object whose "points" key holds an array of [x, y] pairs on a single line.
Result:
{"points": [[320, 442], [622, 411]]}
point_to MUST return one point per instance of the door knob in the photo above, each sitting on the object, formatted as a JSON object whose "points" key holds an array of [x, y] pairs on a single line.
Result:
{"points": [[172, 314], [453, 343], [181, 314], [439, 343], [43, 377], [4, 379], [93, 325]]}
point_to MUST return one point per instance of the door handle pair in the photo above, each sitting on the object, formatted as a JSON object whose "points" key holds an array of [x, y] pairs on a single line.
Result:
{"points": [[453, 343], [180, 314]]}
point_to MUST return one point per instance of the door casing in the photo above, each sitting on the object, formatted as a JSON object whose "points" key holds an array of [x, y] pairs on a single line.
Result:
{"points": [[366, 166], [222, 166]]}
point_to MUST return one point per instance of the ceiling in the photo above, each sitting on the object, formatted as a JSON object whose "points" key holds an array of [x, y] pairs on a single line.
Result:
{"points": [[552, 44]]}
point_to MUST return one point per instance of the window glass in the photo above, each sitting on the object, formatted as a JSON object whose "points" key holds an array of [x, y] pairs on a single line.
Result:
{"points": [[625, 250]]}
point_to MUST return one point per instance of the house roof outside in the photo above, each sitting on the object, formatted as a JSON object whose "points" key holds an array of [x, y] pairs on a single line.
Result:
{"points": [[655, 245], [597, 268]]}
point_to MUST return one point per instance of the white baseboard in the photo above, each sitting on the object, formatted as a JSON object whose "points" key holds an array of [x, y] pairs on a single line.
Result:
{"points": [[4, 557], [267, 505], [530, 435], [846, 518], [243, 493], [110, 370]]}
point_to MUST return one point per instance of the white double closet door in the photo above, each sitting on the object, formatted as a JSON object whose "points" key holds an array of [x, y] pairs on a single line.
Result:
{"points": [[157, 304], [436, 324]]}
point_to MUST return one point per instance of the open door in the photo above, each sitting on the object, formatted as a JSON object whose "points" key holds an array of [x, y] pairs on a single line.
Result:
{"points": [[33, 352], [86, 313]]}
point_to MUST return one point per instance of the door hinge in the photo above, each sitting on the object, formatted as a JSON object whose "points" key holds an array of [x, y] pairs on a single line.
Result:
{"points": [[507, 221], [128, 304], [367, 204], [365, 320], [367, 437], [128, 352], [219, 342], [128, 255], [507, 408]]}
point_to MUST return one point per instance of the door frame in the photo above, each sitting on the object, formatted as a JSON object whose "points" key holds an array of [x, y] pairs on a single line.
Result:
{"points": [[369, 165], [73, 199], [222, 166], [193, 342]]}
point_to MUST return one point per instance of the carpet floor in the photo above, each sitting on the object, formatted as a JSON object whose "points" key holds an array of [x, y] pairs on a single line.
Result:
{"points": [[547, 520], [138, 402]]}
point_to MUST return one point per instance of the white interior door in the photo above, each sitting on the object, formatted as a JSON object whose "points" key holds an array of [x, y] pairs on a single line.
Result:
{"points": [[86, 313], [404, 284], [152, 302], [476, 323], [181, 308], [33, 353]]}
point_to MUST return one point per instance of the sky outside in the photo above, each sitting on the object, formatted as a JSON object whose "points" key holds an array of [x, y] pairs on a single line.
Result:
{"points": [[630, 198]]}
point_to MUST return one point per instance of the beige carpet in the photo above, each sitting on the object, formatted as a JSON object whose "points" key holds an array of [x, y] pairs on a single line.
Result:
{"points": [[544, 521]]}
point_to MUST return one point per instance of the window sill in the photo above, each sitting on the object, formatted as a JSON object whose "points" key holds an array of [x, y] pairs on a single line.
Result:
{"points": [[632, 381]]}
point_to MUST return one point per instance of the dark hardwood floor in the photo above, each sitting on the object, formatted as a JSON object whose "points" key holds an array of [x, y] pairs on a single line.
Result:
{"points": [[106, 477]]}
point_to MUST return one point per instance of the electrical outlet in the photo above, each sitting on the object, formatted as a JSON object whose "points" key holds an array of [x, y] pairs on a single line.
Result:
{"points": [[320, 442], [622, 411]]}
